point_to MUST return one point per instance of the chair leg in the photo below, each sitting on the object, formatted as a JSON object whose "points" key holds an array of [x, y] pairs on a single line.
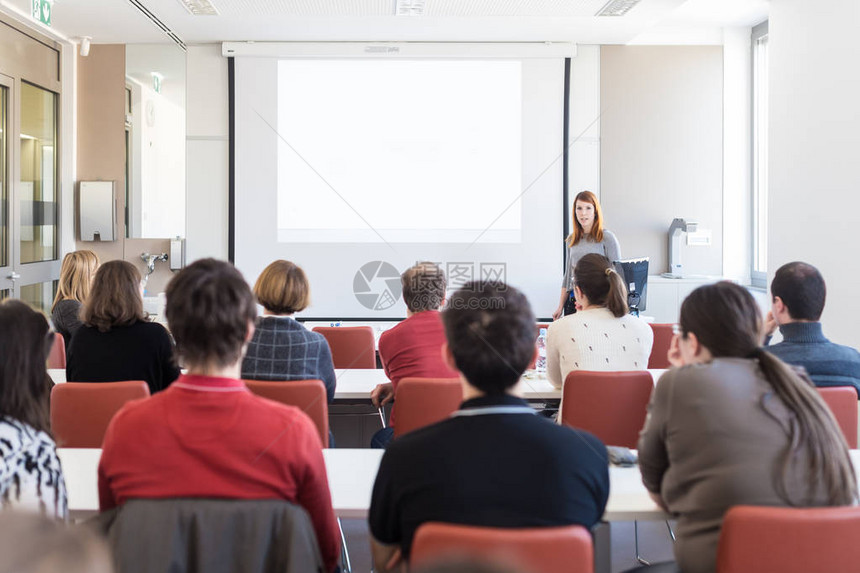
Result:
{"points": [[344, 551], [639, 558], [382, 417], [671, 533]]}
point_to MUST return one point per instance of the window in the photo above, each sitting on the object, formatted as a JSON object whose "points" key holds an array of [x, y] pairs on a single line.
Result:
{"points": [[759, 155]]}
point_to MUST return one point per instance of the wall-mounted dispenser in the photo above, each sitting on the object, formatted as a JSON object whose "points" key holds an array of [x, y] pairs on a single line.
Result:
{"points": [[97, 211]]}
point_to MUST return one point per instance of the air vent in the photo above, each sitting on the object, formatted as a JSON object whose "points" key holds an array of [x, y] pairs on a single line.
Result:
{"points": [[161, 25], [617, 7], [199, 7], [409, 7]]}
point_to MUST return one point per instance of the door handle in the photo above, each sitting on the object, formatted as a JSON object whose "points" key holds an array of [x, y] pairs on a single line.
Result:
{"points": [[13, 276]]}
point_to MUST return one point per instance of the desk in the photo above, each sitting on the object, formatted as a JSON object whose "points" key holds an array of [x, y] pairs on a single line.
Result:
{"points": [[356, 384]]}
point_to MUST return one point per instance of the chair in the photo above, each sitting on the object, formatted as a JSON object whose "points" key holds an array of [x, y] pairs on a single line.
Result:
{"points": [[307, 395], [659, 358], [81, 411], [57, 357], [211, 536], [351, 346], [843, 403], [789, 540], [537, 550], [610, 405], [425, 401]]}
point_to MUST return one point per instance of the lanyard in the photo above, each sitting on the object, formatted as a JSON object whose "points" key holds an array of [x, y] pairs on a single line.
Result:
{"points": [[494, 410]]}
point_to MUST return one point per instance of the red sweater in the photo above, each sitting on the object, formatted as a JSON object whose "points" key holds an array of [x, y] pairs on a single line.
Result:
{"points": [[210, 437], [413, 349]]}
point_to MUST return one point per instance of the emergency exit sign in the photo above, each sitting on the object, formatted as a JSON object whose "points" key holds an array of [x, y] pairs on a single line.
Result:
{"points": [[42, 11]]}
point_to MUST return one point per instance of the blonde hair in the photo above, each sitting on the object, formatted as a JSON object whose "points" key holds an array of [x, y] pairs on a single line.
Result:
{"points": [[76, 276], [283, 288]]}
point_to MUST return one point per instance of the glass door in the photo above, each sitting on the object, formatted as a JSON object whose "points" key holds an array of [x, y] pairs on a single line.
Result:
{"points": [[6, 283]]}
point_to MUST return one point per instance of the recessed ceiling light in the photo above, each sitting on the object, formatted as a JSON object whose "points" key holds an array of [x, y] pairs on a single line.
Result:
{"points": [[617, 7], [199, 7], [409, 7]]}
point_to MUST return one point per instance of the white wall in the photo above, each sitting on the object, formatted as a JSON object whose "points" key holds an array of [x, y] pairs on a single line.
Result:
{"points": [[814, 141], [207, 157]]}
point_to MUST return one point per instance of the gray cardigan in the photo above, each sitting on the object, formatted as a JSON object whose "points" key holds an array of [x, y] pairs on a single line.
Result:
{"points": [[608, 247], [714, 438]]}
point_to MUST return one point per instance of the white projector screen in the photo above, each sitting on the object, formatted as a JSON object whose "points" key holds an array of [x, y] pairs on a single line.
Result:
{"points": [[355, 169]]}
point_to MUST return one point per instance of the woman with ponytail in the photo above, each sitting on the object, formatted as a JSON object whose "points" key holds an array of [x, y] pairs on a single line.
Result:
{"points": [[733, 425], [602, 336]]}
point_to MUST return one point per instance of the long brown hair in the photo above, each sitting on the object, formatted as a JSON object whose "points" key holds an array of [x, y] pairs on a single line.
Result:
{"points": [[25, 386], [726, 320], [76, 276], [597, 280], [115, 297], [596, 229]]}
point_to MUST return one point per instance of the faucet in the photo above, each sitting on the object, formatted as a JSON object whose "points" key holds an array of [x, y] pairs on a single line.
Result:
{"points": [[150, 262]]}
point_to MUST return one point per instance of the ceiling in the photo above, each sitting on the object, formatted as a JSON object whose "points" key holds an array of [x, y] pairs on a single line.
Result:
{"points": [[650, 21]]}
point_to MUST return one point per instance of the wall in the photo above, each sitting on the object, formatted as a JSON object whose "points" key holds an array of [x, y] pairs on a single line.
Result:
{"points": [[207, 157], [661, 149], [814, 143], [101, 151]]}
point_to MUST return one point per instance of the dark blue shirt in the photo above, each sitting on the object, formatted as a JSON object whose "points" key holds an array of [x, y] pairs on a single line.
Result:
{"points": [[827, 363], [492, 469]]}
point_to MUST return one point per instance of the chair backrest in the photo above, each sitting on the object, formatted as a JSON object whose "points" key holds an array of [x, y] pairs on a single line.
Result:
{"points": [[536, 550], [307, 395], [789, 540], [424, 401], [81, 411], [211, 535], [610, 405], [351, 346], [57, 357], [843, 403], [659, 358]]}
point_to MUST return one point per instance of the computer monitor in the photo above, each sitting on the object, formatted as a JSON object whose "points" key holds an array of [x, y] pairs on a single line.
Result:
{"points": [[635, 273]]}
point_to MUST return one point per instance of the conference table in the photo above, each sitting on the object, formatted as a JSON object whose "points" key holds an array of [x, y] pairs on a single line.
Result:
{"points": [[355, 384]]}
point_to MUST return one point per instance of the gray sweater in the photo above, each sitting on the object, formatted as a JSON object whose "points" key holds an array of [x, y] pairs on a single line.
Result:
{"points": [[66, 317], [714, 438], [608, 247]]}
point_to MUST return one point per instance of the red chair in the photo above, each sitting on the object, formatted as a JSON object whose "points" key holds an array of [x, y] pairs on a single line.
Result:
{"points": [[843, 403], [537, 550], [610, 405], [81, 411], [660, 350], [789, 540], [307, 395], [57, 357], [351, 346], [425, 401]]}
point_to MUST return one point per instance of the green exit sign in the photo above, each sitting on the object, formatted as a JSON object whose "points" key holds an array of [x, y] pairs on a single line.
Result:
{"points": [[42, 11]]}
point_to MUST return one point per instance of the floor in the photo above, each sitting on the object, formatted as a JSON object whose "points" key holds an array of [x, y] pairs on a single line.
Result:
{"points": [[654, 544]]}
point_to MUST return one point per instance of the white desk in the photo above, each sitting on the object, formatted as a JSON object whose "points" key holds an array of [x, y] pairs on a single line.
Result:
{"points": [[351, 474], [356, 384]]}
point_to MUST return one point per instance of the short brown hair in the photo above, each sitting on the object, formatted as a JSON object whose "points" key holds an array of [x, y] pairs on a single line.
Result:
{"points": [[283, 288], [424, 287], [208, 308], [114, 299]]}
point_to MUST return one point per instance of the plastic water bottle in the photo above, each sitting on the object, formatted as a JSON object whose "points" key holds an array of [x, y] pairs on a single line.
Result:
{"points": [[540, 364]]}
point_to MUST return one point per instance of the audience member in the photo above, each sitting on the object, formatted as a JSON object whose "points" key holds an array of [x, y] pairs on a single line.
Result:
{"points": [[30, 474], [76, 276], [282, 348], [116, 342], [206, 435], [413, 348], [602, 335], [735, 426], [475, 467], [798, 292], [33, 544]]}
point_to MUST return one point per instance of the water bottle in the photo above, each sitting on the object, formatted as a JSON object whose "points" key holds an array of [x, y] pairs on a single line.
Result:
{"points": [[540, 364]]}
